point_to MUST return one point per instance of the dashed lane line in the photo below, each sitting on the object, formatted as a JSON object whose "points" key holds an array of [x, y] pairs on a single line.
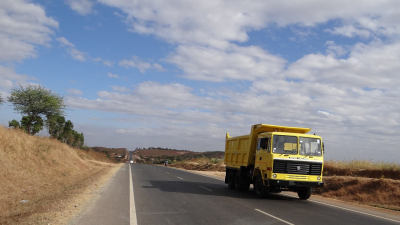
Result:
{"points": [[180, 178], [274, 217], [205, 188]]}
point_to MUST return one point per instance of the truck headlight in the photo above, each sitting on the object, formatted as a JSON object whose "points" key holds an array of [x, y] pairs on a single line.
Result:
{"points": [[274, 175], [318, 178]]}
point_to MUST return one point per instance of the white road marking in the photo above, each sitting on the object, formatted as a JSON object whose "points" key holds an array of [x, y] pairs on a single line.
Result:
{"points": [[205, 188], [166, 172], [179, 178], [352, 210], [274, 217], [132, 208]]}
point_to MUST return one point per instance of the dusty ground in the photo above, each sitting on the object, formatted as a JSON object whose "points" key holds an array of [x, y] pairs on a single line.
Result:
{"points": [[62, 209]]}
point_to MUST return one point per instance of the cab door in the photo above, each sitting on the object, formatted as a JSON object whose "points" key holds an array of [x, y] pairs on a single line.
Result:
{"points": [[262, 153]]}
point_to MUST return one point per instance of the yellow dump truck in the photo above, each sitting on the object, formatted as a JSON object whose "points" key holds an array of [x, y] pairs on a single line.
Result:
{"points": [[274, 159]]}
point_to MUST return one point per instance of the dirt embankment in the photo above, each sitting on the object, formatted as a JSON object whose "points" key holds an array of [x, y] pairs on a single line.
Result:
{"points": [[383, 193], [40, 175], [199, 166]]}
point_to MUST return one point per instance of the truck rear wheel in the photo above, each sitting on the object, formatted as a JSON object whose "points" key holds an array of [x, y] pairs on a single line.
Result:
{"points": [[304, 193], [231, 179], [260, 189], [241, 185]]}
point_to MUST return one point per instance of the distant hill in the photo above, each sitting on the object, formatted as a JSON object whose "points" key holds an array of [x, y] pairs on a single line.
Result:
{"points": [[160, 155], [120, 154]]}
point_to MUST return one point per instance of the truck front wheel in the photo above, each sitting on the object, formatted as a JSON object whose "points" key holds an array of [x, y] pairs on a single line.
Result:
{"points": [[260, 189], [304, 193]]}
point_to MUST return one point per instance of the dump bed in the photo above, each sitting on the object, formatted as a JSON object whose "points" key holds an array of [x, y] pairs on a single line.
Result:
{"points": [[237, 151]]}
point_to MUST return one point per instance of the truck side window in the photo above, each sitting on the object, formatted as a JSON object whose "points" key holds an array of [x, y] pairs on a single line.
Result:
{"points": [[258, 144], [266, 145]]}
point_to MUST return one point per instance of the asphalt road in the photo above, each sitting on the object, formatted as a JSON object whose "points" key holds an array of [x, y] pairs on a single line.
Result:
{"points": [[171, 196]]}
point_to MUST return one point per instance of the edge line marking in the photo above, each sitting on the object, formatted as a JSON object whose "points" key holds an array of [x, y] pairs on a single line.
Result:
{"points": [[351, 210], [274, 217], [132, 209]]}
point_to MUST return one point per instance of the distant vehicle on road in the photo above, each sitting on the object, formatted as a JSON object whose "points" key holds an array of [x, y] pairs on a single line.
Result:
{"points": [[131, 161], [274, 159]]}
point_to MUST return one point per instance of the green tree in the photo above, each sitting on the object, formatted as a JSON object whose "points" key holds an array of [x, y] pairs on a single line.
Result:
{"points": [[36, 101], [36, 124], [14, 124], [1, 100], [55, 125]]}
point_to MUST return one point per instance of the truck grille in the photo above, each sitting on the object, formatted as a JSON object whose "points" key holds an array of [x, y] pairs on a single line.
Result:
{"points": [[295, 167]]}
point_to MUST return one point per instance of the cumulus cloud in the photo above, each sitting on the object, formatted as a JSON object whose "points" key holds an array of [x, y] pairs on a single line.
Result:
{"points": [[77, 55], [9, 79], [82, 7], [108, 63], [189, 22], [112, 75], [23, 26], [237, 63], [75, 91], [65, 42], [136, 62]]}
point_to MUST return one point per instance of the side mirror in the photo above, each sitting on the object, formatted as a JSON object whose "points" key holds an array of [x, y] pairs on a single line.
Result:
{"points": [[323, 148]]}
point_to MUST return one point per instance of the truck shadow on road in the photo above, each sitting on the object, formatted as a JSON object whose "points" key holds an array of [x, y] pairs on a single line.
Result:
{"points": [[199, 188]]}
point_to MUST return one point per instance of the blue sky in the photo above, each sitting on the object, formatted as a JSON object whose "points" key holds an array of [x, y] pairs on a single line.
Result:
{"points": [[180, 74]]}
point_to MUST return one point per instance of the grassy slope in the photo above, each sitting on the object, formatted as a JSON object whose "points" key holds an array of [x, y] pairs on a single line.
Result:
{"points": [[38, 169]]}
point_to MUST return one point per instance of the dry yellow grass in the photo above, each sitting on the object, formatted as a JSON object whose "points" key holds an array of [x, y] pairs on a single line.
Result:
{"points": [[39, 169], [362, 168]]}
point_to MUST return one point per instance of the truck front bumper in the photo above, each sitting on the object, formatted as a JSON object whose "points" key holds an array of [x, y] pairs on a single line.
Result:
{"points": [[288, 183]]}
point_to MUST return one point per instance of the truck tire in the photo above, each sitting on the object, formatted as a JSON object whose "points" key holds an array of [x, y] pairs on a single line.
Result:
{"points": [[260, 189], [231, 179], [304, 193], [241, 185]]}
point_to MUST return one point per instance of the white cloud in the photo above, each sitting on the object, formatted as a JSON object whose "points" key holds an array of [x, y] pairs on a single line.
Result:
{"points": [[9, 79], [119, 89], [65, 42], [135, 62], [76, 54], [350, 31], [82, 7], [75, 91], [190, 22], [158, 67], [22, 26], [108, 63], [236, 63], [112, 75], [334, 49]]}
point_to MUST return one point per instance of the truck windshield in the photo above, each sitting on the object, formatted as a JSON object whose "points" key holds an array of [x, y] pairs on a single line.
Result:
{"points": [[285, 144], [310, 146]]}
